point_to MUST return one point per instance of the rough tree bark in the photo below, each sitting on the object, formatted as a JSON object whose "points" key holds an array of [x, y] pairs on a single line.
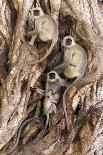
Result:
{"points": [[85, 20]]}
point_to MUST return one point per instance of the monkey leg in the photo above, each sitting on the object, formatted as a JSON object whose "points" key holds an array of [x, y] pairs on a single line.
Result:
{"points": [[54, 108], [32, 34], [32, 40]]}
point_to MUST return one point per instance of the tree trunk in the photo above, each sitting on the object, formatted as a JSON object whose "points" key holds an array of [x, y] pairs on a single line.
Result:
{"points": [[83, 19]]}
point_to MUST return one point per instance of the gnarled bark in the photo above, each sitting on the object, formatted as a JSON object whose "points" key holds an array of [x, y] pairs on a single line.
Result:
{"points": [[87, 93]]}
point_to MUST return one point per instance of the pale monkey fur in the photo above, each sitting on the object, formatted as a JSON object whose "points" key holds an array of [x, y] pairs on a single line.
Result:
{"points": [[74, 65], [46, 28], [53, 86], [52, 96]]}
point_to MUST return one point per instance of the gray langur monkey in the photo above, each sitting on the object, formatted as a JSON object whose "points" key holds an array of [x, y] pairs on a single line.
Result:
{"points": [[53, 92], [52, 96], [74, 59], [74, 64], [46, 28]]}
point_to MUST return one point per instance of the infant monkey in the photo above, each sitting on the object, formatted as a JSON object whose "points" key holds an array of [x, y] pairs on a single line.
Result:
{"points": [[46, 28], [74, 64]]}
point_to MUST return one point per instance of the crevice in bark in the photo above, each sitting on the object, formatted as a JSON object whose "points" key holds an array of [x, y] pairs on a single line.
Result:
{"points": [[17, 101], [13, 14]]}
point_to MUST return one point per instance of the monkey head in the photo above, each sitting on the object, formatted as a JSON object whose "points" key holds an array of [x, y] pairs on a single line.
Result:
{"points": [[37, 12], [68, 42], [52, 76]]}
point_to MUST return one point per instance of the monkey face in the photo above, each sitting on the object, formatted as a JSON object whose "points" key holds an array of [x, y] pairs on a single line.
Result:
{"points": [[68, 41], [37, 12], [52, 76]]}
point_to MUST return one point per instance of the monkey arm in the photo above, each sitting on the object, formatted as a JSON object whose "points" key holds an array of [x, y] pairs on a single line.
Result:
{"points": [[40, 91], [31, 33], [73, 61], [54, 107], [60, 68]]}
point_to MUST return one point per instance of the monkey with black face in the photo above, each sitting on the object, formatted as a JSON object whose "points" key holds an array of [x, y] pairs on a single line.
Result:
{"points": [[52, 95], [73, 66], [46, 28], [74, 59], [34, 13]]}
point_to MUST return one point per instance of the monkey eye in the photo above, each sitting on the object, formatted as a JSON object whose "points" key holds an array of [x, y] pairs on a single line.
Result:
{"points": [[68, 41], [52, 75], [36, 12]]}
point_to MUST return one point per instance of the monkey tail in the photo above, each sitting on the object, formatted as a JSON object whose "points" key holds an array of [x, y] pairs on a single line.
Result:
{"points": [[41, 134], [47, 121], [46, 55], [64, 105], [80, 81], [31, 33], [18, 136]]}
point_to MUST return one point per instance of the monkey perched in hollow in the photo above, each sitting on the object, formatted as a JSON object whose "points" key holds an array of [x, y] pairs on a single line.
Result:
{"points": [[73, 66], [52, 95], [74, 59], [46, 28]]}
